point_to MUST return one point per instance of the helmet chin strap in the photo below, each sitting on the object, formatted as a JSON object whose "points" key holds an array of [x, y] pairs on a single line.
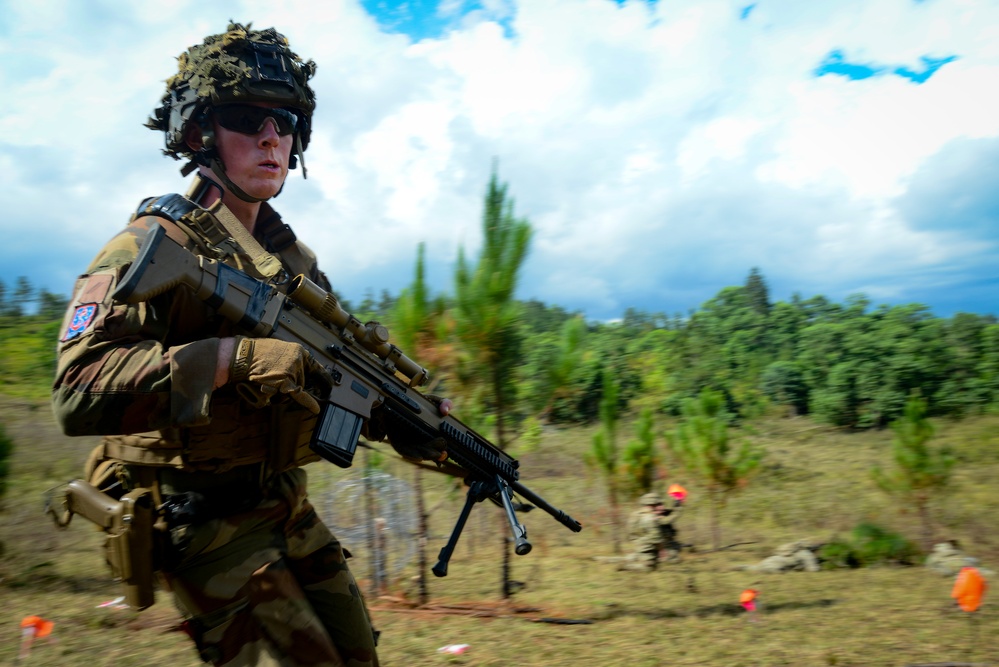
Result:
{"points": [[215, 164], [210, 159]]}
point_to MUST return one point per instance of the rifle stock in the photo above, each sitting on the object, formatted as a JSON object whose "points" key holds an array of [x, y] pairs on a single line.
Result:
{"points": [[368, 372]]}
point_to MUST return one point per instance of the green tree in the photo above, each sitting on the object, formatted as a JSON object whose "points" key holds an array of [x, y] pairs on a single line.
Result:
{"points": [[560, 368], [784, 383], [757, 292], [51, 306], [24, 294], [488, 319], [639, 458], [987, 368], [702, 446], [486, 314], [603, 455], [920, 472], [649, 356], [421, 326]]}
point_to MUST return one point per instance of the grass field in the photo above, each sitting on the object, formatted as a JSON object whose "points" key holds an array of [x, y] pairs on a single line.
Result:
{"points": [[815, 483]]}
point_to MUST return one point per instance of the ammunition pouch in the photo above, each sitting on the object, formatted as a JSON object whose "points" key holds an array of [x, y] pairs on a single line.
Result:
{"points": [[238, 435]]}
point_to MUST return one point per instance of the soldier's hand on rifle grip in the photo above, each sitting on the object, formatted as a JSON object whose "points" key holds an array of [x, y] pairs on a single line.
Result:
{"points": [[444, 405], [402, 440], [265, 367]]}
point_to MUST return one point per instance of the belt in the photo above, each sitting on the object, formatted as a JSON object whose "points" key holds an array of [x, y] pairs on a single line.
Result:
{"points": [[173, 480], [195, 497]]}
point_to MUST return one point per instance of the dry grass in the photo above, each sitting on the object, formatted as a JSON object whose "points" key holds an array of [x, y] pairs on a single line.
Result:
{"points": [[815, 484]]}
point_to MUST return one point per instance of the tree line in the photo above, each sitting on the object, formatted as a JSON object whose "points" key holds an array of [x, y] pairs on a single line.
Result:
{"points": [[848, 364], [24, 299]]}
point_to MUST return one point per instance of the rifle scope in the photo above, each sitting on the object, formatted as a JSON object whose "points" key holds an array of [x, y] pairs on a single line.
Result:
{"points": [[372, 336]]}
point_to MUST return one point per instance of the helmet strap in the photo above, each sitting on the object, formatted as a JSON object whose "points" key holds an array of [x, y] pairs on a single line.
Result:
{"points": [[208, 156], [219, 170], [300, 154]]}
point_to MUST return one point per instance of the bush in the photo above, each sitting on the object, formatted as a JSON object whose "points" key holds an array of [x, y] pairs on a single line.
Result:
{"points": [[838, 555], [875, 545], [869, 545]]}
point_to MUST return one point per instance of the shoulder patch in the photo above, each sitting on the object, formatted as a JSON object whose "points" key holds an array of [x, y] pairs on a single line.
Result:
{"points": [[82, 318]]}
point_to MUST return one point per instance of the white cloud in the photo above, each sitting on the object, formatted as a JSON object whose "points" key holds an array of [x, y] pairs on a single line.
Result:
{"points": [[660, 150]]}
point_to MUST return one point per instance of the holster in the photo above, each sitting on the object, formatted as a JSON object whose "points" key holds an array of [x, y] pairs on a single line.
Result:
{"points": [[128, 524]]}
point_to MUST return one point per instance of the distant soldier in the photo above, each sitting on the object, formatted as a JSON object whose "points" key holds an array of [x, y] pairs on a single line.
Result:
{"points": [[948, 559], [797, 556], [652, 531]]}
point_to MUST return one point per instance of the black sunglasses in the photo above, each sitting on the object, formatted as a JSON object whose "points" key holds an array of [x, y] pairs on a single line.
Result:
{"points": [[249, 119]]}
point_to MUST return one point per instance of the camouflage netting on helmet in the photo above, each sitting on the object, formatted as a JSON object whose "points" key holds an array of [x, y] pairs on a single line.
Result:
{"points": [[239, 65], [651, 498]]}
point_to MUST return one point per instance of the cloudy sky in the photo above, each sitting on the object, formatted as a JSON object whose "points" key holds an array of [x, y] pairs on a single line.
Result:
{"points": [[660, 150]]}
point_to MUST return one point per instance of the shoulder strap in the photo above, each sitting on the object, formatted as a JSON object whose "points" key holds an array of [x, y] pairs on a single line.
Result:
{"points": [[173, 207], [266, 264], [215, 229], [278, 237]]}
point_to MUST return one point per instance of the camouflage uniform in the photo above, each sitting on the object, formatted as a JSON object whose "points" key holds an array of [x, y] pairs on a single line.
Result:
{"points": [[651, 531], [256, 572], [793, 556], [258, 577], [948, 559]]}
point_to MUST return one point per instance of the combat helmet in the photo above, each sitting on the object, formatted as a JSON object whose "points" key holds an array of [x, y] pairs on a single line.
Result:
{"points": [[238, 66], [652, 498]]}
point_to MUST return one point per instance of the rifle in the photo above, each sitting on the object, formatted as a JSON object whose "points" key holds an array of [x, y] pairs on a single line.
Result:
{"points": [[369, 374]]}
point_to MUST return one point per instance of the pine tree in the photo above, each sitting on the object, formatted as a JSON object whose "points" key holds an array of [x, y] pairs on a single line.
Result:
{"points": [[758, 292], [921, 472], [486, 314], [640, 458], [487, 318], [604, 457], [702, 446]]}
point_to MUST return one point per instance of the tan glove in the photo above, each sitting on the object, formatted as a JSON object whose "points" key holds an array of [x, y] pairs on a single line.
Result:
{"points": [[264, 367]]}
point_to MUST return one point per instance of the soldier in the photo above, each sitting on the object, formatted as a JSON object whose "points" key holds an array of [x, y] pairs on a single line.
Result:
{"points": [[793, 556], [653, 534], [216, 424]]}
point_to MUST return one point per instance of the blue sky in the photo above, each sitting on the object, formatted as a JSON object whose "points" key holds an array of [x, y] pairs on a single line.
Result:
{"points": [[660, 149]]}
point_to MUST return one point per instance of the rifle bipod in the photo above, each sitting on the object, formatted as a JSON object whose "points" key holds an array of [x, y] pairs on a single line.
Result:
{"points": [[478, 491]]}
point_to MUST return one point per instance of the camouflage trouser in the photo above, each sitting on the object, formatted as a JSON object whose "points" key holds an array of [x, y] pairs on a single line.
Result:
{"points": [[640, 561], [270, 586]]}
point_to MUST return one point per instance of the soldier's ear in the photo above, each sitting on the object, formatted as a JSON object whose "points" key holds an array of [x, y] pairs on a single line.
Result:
{"points": [[192, 137]]}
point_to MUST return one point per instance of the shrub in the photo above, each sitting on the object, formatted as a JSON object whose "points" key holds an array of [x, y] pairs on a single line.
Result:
{"points": [[838, 554], [875, 545], [869, 544]]}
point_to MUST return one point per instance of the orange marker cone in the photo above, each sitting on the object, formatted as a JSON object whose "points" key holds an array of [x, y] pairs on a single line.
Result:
{"points": [[969, 588], [749, 601], [33, 627], [677, 491]]}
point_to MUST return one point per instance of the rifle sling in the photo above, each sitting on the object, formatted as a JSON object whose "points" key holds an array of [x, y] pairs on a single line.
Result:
{"points": [[266, 264]]}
